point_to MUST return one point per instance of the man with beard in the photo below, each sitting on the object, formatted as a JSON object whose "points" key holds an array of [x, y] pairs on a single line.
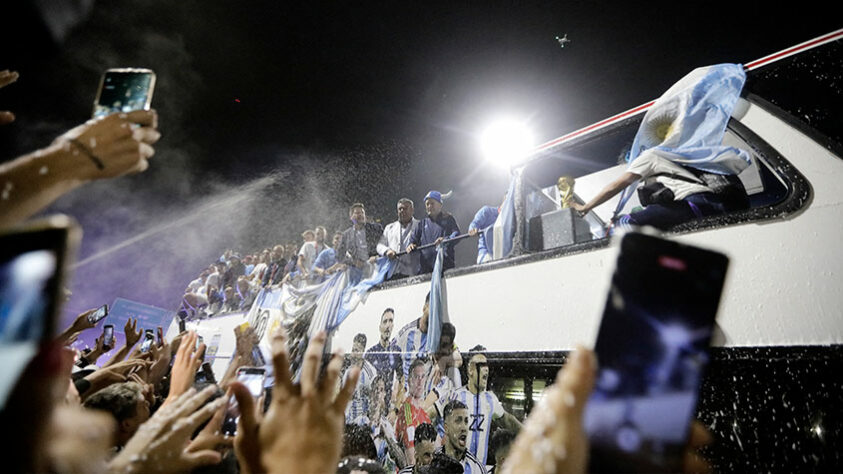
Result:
{"points": [[359, 401], [456, 438], [483, 406], [390, 454], [411, 413], [385, 355], [396, 237], [358, 245], [412, 339], [425, 446], [443, 378]]}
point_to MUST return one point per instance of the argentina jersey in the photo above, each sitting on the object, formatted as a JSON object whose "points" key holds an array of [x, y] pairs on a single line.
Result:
{"points": [[413, 344], [359, 404], [481, 409], [470, 464]]}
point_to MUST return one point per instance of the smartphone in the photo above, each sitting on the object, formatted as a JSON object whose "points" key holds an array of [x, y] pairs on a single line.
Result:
{"points": [[160, 339], [206, 374], [108, 337], [97, 315], [653, 350], [147, 341], [124, 90], [182, 326], [252, 378], [34, 259]]}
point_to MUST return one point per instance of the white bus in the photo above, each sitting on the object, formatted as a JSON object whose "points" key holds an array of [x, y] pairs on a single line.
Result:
{"points": [[773, 392]]}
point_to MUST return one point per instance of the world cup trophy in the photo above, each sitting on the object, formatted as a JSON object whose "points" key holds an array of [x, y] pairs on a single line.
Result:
{"points": [[565, 185]]}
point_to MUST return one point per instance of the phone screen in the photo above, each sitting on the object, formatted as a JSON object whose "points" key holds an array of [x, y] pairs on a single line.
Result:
{"points": [[160, 336], [33, 260], [97, 315], [147, 342], [124, 90], [108, 336], [252, 378], [652, 348]]}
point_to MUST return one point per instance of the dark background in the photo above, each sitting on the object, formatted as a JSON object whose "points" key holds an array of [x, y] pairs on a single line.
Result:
{"points": [[277, 116]]}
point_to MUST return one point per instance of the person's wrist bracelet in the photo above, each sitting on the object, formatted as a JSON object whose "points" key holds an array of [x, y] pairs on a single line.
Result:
{"points": [[98, 162]]}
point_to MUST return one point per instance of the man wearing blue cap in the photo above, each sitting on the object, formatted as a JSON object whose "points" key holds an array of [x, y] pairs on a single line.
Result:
{"points": [[437, 226]]}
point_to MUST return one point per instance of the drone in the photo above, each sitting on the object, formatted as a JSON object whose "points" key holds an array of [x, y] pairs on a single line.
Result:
{"points": [[563, 40]]}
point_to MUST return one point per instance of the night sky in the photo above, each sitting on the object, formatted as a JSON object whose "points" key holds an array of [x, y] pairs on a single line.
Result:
{"points": [[275, 117]]}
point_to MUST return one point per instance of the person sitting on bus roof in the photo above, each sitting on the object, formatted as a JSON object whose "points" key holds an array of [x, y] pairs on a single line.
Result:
{"points": [[437, 226], [673, 194]]}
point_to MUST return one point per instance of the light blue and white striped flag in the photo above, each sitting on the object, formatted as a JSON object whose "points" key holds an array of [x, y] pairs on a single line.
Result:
{"points": [[438, 309], [339, 298], [499, 236], [687, 123]]}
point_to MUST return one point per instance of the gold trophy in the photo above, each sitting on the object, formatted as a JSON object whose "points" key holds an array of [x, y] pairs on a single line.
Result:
{"points": [[565, 185]]}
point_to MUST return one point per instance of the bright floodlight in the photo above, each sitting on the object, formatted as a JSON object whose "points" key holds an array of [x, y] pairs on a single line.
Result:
{"points": [[506, 142]]}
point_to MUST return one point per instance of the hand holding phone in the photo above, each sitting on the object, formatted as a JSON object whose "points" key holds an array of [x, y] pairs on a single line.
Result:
{"points": [[653, 349], [98, 315], [147, 341], [252, 378], [108, 337]]}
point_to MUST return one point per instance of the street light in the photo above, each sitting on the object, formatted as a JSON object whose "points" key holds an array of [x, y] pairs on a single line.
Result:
{"points": [[506, 142]]}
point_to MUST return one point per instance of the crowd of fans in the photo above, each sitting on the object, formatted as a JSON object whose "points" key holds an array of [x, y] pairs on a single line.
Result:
{"points": [[231, 283], [152, 408]]}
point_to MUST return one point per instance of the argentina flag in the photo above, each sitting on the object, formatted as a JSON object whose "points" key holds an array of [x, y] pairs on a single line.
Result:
{"points": [[687, 123], [499, 236], [339, 298], [438, 310]]}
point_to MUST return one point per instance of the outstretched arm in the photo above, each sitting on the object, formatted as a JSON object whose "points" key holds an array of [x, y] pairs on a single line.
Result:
{"points": [[101, 148], [607, 193]]}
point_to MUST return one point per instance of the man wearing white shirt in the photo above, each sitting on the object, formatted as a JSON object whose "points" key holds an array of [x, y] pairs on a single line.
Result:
{"points": [[310, 250], [396, 236]]}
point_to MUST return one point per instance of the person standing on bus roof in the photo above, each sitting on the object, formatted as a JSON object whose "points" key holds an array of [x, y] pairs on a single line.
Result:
{"points": [[433, 229], [396, 238], [358, 245]]}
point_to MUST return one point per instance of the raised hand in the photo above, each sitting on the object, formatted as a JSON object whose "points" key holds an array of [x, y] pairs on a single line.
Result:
{"points": [[303, 426], [210, 437], [159, 446], [187, 362], [132, 333]]}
